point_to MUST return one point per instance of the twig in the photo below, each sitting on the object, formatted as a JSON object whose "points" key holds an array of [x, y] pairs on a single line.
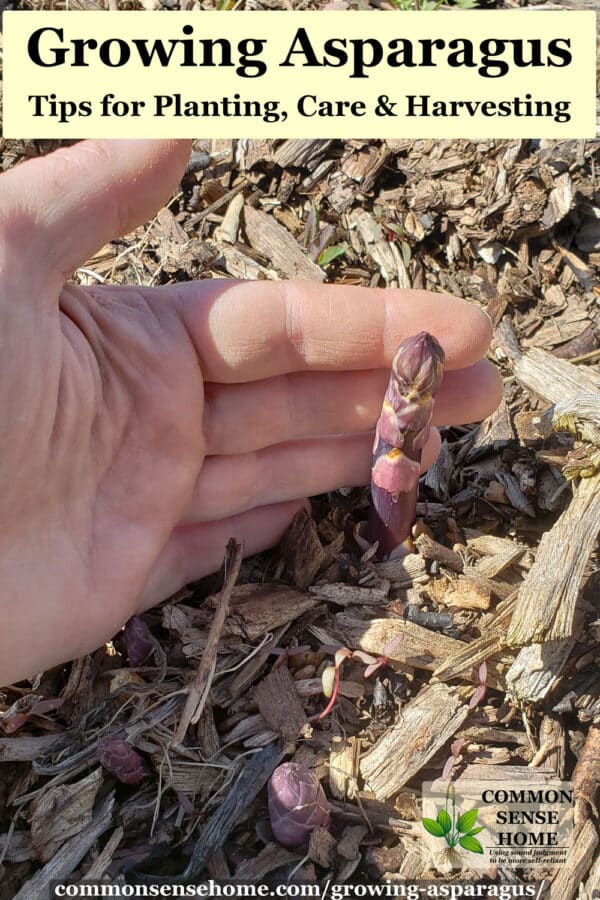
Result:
{"points": [[195, 220], [585, 357], [197, 690]]}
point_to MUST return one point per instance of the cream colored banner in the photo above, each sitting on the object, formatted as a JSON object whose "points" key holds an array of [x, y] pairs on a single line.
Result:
{"points": [[476, 74]]}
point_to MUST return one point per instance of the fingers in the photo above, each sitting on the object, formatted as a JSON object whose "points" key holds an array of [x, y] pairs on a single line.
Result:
{"points": [[71, 202], [228, 485], [245, 331], [197, 550], [244, 417]]}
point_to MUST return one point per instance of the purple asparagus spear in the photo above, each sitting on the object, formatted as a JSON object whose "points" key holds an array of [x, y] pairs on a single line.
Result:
{"points": [[297, 804], [402, 431]]}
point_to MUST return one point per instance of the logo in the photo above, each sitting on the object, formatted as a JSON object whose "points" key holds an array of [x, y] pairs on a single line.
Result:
{"points": [[455, 831], [478, 821]]}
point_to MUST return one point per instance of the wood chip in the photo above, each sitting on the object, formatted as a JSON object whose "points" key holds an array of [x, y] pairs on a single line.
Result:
{"points": [[406, 642], [559, 201], [16, 846], [405, 571], [276, 244], [468, 657], [239, 265], [186, 777], [495, 431], [321, 847], [208, 736], [586, 778], [569, 878], [374, 813], [439, 475], [430, 549], [553, 379], [300, 152], [343, 767], [364, 166], [303, 551], [491, 566], [585, 342], [491, 544], [270, 858], [255, 610], [26, 748], [384, 253], [590, 889], [350, 841], [547, 602], [424, 726], [102, 863], [62, 812], [349, 594], [465, 594], [536, 670], [552, 752], [228, 229], [248, 674], [515, 496], [64, 863], [280, 705]]}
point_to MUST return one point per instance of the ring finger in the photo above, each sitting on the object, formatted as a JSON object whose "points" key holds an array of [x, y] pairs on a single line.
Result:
{"points": [[229, 485], [243, 417]]}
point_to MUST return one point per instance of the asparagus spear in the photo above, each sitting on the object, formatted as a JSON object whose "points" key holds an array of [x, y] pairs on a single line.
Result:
{"points": [[297, 804], [402, 431]]}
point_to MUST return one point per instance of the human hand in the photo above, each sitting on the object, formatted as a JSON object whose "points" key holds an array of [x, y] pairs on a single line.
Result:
{"points": [[144, 427]]}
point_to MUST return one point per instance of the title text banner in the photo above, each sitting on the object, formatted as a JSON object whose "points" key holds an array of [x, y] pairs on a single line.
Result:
{"points": [[493, 74]]}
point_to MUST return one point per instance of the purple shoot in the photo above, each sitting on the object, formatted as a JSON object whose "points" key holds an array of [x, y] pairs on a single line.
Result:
{"points": [[120, 758], [480, 691], [297, 804], [142, 647], [455, 749], [402, 431]]}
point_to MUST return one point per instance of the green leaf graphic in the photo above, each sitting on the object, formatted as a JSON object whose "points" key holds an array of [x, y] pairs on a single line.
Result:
{"points": [[475, 830], [444, 820], [433, 827], [470, 843], [467, 820]]}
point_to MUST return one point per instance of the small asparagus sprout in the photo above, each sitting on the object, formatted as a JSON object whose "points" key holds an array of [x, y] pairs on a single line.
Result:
{"points": [[332, 675], [481, 689], [142, 647], [120, 758], [402, 431], [455, 748], [297, 804]]}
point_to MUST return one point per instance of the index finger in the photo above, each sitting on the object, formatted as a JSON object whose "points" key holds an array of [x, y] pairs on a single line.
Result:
{"points": [[62, 207], [245, 331]]}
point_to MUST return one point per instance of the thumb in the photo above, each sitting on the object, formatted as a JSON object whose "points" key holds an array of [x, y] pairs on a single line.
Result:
{"points": [[61, 208]]}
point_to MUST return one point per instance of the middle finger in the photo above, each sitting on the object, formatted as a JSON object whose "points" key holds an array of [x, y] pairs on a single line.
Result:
{"points": [[240, 418]]}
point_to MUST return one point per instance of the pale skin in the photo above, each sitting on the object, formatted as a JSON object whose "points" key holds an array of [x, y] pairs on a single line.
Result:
{"points": [[141, 428]]}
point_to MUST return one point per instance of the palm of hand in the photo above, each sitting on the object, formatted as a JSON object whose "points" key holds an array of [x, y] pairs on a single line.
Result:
{"points": [[113, 455]]}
